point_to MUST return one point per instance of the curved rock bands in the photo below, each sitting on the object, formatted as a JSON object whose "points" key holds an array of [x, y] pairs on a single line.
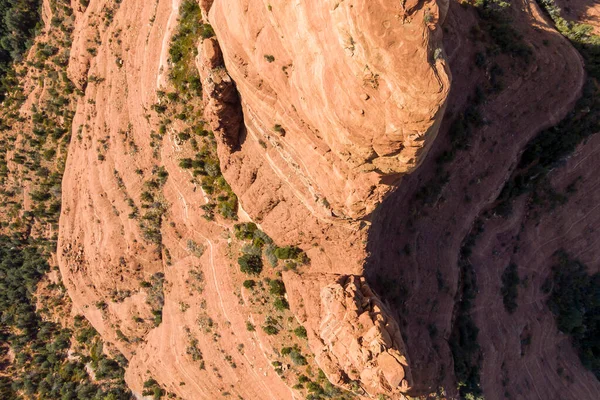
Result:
{"points": [[353, 90], [352, 334]]}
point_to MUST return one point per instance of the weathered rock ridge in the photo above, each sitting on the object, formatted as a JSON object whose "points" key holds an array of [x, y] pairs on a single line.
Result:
{"points": [[335, 95], [350, 331], [318, 108], [322, 118]]}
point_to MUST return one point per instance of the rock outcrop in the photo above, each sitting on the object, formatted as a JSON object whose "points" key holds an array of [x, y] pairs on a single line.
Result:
{"points": [[335, 95], [355, 340], [324, 123]]}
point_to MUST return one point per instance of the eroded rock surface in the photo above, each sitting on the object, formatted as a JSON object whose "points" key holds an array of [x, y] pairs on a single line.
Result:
{"points": [[335, 94], [352, 334]]}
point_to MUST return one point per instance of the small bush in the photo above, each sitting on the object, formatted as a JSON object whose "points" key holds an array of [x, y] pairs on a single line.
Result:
{"points": [[300, 332], [270, 330], [245, 231], [281, 304], [276, 287], [297, 358], [287, 252], [250, 264]]}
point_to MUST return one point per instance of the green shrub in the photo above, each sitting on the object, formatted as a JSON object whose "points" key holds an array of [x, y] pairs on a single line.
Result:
{"points": [[250, 264], [206, 31], [186, 163], [245, 231], [297, 358], [300, 332], [183, 49], [270, 330], [276, 287], [287, 252], [249, 284], [281, 304]]}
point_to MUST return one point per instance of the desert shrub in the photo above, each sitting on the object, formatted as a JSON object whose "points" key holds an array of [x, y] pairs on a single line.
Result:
{"points": [[245, 231], [297, 357], [300, 332], [250, 264], [183, 50], [206, 31], [287, 252], [270, 254], [186, 163], [251, 249], [195, 248], [261, 239], [281, 304], [270, 330], [249, 284], [276, 287]]}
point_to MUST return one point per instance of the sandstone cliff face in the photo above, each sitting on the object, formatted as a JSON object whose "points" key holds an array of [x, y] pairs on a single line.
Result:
{"points": [[325, 121], [335, 96], [317, 107], [352, 334]]}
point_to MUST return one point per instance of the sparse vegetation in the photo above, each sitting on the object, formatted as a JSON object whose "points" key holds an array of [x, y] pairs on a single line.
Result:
{"points": [[42, 368], [300, 332], [20, 21], [270, 329], [575, 301], [250, 264], [155, 296], [183, 50], [551, 146]]}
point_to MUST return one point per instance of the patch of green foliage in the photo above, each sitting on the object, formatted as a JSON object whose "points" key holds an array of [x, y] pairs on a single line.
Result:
{"points": [[300, 332], [575, 301], [152, 388], [155, 296], [249, 284], [287, 252], [250, 264], [245, 231], [295, 355], [206, 166], [20, 20], [270, 329], [276, 287], [321, 388], [183, 50], [41, 368]]}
